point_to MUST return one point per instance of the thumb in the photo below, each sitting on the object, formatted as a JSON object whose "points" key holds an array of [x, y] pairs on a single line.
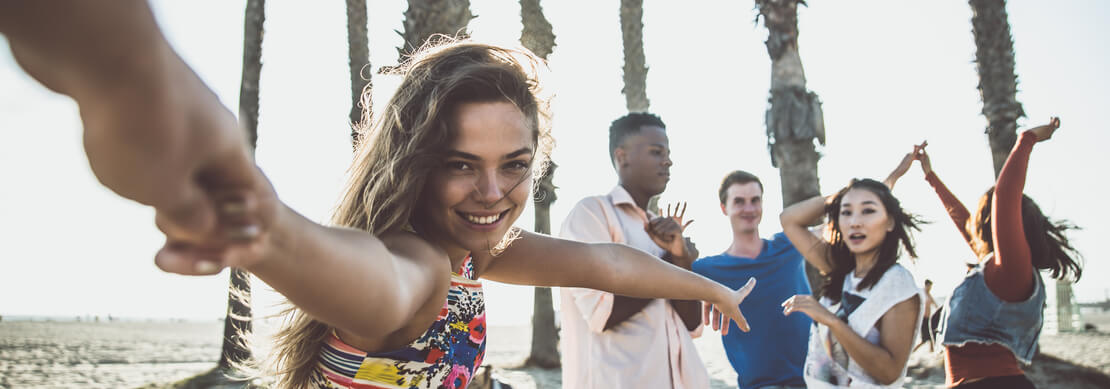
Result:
{"points": [[745, 290]]}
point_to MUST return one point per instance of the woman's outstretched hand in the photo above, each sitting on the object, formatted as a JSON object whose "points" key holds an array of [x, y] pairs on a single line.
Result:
{"points": [[1044, 132], [720, 314], [233, 231]]}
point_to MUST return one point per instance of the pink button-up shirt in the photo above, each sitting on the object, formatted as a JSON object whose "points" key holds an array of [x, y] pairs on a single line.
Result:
{"points": [[652, 349]]}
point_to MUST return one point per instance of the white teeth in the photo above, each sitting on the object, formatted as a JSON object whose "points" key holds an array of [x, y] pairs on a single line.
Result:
{"points": [[483, 219]]}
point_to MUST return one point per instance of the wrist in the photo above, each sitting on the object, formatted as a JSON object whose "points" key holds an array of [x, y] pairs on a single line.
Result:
{"points": [[279, 236], [682, 259]]}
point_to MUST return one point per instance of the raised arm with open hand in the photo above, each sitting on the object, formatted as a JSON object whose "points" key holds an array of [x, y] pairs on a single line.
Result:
{"points": [[667, 232]]}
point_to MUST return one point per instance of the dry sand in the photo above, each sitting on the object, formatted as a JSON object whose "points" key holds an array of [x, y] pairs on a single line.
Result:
{"points": [[156, 355]]}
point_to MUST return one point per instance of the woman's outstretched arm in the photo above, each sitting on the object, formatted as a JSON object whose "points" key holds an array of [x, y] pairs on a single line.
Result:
{"points": [[363, 285], [540, 260], [1010, 274]]}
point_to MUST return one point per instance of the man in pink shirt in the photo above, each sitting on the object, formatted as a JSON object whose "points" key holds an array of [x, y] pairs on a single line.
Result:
{"points": [[612, 341]]}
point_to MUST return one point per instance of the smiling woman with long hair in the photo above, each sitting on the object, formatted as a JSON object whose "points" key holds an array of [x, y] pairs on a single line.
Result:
{"points": [[391, 295], [865, 321]]}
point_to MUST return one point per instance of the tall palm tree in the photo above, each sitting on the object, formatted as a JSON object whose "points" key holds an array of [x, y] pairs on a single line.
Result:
{"points": [[425, 18], [238, 320], [994, 58], [538, 36], [635, 68], [358, 55], [794, 119]]}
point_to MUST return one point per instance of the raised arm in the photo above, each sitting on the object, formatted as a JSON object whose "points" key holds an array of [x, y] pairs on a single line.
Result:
{"points": [[541, 260], [956, 210], [1010, 274], [795, 223], [902, 168]]}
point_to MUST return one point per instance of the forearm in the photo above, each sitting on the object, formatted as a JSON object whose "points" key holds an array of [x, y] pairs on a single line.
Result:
{"points": [[346, 278], [956, 210], [795, 220], [877, 361], [802, 214], [540, 260], [160, 145], [84, 48], [1010, 274], [151, 126], [627, 271], [625, 307], [688, 310]]}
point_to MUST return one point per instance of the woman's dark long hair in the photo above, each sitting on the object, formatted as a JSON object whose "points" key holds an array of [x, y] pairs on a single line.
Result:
{"points": [[1048, 246], [843, 261]]}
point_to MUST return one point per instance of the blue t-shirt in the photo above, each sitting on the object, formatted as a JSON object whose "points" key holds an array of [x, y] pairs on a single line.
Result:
{"points": [[774, 351]]}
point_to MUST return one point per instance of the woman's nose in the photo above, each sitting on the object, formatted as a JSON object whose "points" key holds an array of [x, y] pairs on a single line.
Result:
{"points": [[488, 188]]}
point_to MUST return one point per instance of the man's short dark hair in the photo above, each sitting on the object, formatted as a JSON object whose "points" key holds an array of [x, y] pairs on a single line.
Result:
{"points": [[737, 177], [630, 124]]}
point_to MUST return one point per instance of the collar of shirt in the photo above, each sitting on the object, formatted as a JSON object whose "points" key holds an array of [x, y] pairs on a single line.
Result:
{"points": [[620, 197]]}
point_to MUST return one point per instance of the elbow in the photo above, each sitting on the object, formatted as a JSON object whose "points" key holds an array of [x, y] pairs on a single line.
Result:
{"points": [[889, 374], [888, 378], [784, 218]]}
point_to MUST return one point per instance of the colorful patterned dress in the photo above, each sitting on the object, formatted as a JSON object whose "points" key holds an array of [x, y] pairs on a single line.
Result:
{"points": [[445, 356]]}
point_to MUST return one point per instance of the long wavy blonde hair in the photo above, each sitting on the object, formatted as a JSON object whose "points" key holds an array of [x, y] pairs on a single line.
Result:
{"points": [[398, 151]]}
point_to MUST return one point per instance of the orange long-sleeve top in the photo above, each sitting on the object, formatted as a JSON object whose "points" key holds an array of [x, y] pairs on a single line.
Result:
{"points": [[1009, 275]]}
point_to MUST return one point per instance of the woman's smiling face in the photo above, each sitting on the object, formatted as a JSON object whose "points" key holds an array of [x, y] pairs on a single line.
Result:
{"points": [[484, 182]]}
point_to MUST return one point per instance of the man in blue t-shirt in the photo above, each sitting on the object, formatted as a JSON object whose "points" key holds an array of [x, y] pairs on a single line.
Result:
{"points": [[773, 352]]}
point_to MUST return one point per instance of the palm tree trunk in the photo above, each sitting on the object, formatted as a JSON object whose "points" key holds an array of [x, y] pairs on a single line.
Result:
{"points": [[237, 323], [538, 36], [545, 337], [635, 68], [425, 18], [994, 57], [794, 118], [358, 54]]}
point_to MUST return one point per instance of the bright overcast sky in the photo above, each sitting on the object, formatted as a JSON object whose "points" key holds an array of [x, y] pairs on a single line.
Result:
{"points": [[890, 74]]}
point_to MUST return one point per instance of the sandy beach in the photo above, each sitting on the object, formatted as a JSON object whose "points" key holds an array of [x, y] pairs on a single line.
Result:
{"points": [[1066, 361], [154, 355]]}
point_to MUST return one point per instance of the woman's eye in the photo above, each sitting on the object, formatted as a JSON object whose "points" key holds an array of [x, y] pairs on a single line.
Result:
{"points": [[458, 166], [517, 166], [868, 211], [845, 213]]}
